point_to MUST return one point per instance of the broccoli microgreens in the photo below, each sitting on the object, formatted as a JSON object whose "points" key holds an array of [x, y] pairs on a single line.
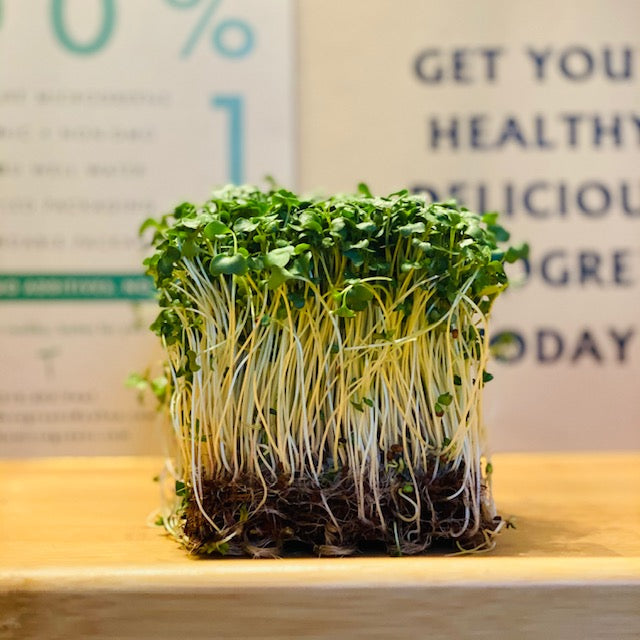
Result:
{"points": [[328, 354]]}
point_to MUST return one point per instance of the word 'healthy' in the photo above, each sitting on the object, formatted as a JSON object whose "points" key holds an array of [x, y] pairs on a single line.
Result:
{"points": [[571, 130]]}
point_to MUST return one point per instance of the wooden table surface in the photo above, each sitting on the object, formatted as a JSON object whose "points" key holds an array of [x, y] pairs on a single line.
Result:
{"points": [[77, 560]]}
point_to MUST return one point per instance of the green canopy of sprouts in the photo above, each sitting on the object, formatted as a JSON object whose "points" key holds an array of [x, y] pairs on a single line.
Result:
{"points": [[329, 353]]}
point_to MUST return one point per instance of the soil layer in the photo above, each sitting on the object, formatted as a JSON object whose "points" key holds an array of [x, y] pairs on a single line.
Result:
{"points": [[302, 517]]}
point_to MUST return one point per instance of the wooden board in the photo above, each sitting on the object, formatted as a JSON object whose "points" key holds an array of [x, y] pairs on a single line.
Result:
{"points": [[78, 560]]}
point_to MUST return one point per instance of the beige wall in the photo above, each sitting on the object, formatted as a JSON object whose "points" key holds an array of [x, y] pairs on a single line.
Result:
{"points": [[362, 114], [365, 115]]}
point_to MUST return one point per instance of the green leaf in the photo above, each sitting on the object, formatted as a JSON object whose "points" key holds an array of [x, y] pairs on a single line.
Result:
{"points": [[412, 229], [279, 257], [256, 263], [215, 228], [311, 222], [407, 266], [500, 233], [425, 247], [327, 243], [192, 358], [159, 387], [367, 226], [167, 261], [278, 276], [301, 267], [211, 548], [491, 289], [190, 249], [301, 248], [181, 488], [243, 225], [475, 231], [445, 399], [344, 312], [184, 210], [358, 293], [387, 335], [355, 256], [405, 307], [191, 223], [514, 254], [296, 298], [361, 244], [490, 218], [136, 381], [147, 224], [338, 226], [486, 376], [457, 380], [368, 401], [223, 264], [364, 190]]}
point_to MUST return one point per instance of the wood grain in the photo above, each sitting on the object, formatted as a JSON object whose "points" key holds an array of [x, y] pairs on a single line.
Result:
{"points": [[77, 560]]}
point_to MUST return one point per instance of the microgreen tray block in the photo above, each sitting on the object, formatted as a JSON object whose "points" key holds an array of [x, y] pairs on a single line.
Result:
{"points": [[325, 365]]}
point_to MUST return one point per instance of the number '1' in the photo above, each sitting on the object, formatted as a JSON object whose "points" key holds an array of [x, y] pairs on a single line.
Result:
{"points": [[234, 104], [91, 46]]}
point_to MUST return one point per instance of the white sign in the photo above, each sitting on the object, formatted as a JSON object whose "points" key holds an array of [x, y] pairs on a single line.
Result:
{"points": [[530, 109], [111, 112]]}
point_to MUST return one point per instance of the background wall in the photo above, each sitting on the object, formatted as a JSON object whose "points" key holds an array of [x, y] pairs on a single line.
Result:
{"points": [[111, 111]]}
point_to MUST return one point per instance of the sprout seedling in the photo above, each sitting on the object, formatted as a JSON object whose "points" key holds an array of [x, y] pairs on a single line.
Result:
{"points": [[325, 363]]}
